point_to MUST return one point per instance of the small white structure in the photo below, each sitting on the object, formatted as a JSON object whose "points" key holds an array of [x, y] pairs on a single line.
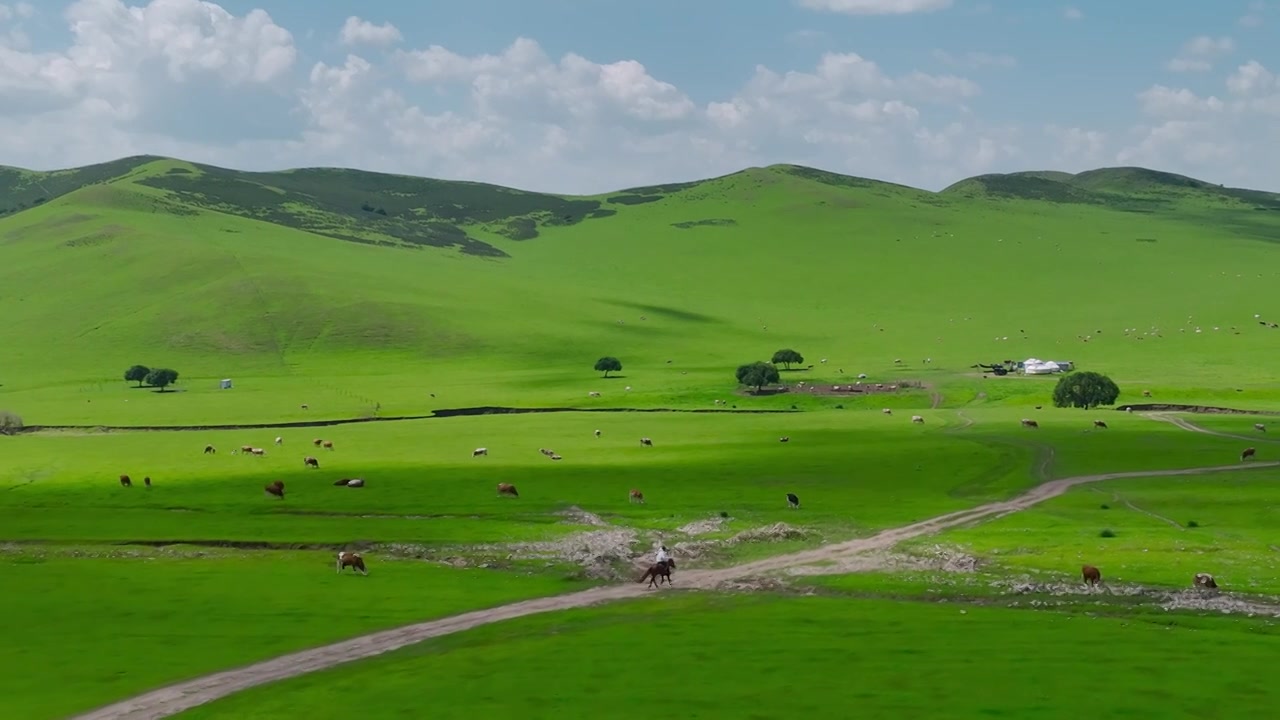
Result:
{"points": [[225, 384], [1034, 366]]}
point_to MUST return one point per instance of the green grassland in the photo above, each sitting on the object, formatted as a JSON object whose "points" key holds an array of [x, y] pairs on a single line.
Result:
{"points": [[365, 296], [705, 657]]}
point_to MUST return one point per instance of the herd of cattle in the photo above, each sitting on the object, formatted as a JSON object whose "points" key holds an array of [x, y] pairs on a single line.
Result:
{"points": [[1092, 576]]}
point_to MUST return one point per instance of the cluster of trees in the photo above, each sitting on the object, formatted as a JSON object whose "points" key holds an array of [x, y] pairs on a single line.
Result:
{"points": [[155, 377], [1085, 390]]}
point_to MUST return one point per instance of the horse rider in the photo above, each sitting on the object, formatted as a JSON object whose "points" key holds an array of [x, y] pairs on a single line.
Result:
{"points": [[663, 556]]}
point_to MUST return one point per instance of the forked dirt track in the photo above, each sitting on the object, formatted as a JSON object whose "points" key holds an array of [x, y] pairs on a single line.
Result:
{"points": [[183, 696]]}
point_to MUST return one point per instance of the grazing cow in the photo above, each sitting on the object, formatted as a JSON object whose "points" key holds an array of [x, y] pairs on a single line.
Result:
{"points": [[210, 450], [355, 482], [311, 462], [1204, 580], [1027, 422], [554, 456], [1146, 393], [125, 481], [657, 570], [279, 441], [785, 438], [306, 406], [1099, 424], [646, 442], [636, 496], [258, 451], [887, 411], [792, 500], [597, 433], [341, 483], [246, 449], [276, 488], [1248, 453], [917, 419], [317, 442], [1092, 575], [147, 481], [327, 444], [507, 489], [1259, 427], [351, 560], [547, 452], [479, 451], [593, 393]]}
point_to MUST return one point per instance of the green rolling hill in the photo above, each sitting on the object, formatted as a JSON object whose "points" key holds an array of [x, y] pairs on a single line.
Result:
{"points": [[374, 289]]}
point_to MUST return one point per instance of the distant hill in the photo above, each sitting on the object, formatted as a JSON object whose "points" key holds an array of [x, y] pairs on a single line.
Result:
{"points": [[332, 273]]}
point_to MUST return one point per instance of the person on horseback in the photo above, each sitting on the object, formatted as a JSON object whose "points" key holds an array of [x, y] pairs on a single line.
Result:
{"points": [[663, 556]]}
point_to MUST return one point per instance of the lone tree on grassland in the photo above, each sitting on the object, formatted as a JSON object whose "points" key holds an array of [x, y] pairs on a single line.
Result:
{"points": [[1085, 390], [757, 375], [607, 365], [137, 374], [10, 424], [786, 357], [162, 378]]}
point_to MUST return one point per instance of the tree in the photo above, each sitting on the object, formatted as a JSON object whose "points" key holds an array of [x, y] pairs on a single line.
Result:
{"points": [[162, 378], [607, 365], [787, 356], [137, 374], [10, 424], [1085, 390], [757, 375]]}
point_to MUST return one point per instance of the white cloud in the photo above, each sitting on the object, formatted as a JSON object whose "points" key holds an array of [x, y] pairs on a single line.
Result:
{"points": [[975, 60], [189, 79], [876, 7], [1255, 15], [20, 10], [362, 32], [1198, 54], [1072, 13]]}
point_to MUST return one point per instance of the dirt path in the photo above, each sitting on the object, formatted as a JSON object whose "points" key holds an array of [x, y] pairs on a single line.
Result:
{"points": [[183, 696], [1186, 425]]}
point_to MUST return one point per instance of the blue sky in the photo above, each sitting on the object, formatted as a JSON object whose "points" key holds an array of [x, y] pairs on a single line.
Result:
{"points": [[593, 95]]}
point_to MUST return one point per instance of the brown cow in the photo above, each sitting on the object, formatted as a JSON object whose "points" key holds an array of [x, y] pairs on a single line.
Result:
{"points": [[327, 444], [311, 462], [1027, 422], [1248, 453], [507, 489], [1146, 393], [125, 481], [147, 481], [1092, 576], [246, 448], [1099, 424], [1204, 580], [636, 496], [317, 442], [276, 488], [351, 560], [209, 450]]}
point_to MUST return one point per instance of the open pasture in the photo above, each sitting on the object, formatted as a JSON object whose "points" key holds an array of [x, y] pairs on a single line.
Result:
{"points": [[1163, 531], [102, 623], [775, 656]]}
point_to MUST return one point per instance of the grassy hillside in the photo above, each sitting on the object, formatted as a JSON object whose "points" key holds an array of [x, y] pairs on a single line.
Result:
{"points": [[352, 291]]}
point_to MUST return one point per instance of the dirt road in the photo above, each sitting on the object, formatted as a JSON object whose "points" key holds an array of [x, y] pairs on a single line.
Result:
{"points": [[183, 696]]}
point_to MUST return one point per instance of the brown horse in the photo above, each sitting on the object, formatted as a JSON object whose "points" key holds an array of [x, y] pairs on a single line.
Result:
{"points": [[1248, 453], [327, 444], [125, 481], [317, 442], [1099, 424], [507, 489], [311, 462], [636, 496], [658, 570], [276, 488], [1092, 575], [351, 560]]}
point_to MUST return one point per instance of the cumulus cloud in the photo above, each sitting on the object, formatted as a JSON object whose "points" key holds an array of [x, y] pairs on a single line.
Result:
{"points": [[362, 32], [20, 10], [1198, 54], [876, 7], [1072, 13], [191, 79]]}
